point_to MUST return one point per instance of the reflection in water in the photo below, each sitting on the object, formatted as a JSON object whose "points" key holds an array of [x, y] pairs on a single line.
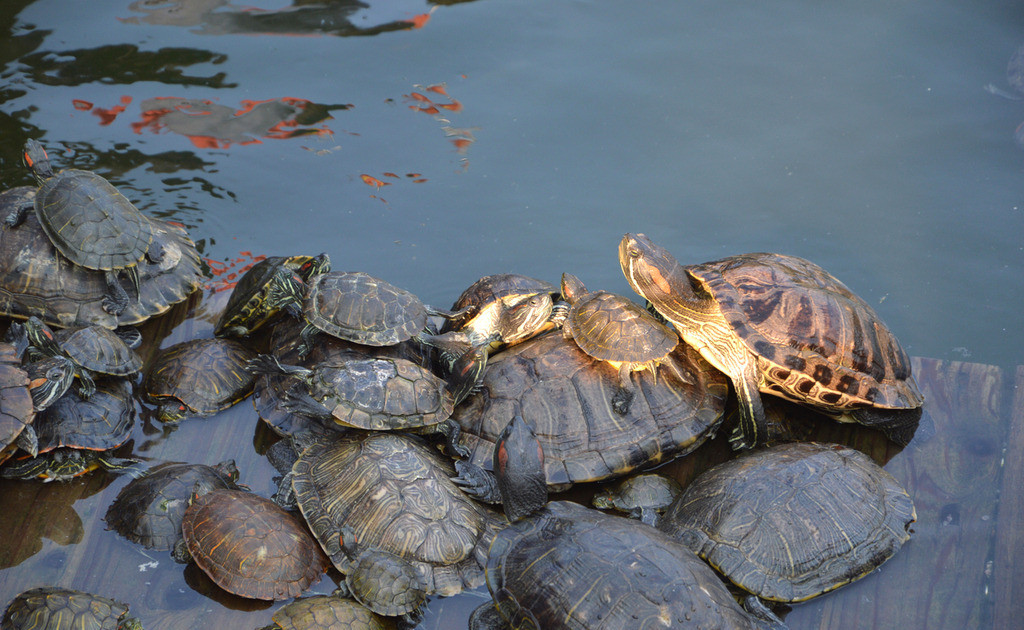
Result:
{"points": [[122, 64], [433, 105], [303, 17], [212, 126], [52, 516]]}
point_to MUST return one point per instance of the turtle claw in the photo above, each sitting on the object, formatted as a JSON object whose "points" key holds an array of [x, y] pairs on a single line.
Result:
{"points": [[476, 482]]}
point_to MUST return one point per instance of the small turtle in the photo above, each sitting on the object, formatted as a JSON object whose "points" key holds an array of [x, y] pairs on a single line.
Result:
{"points": [[783, 326], [199, 377], [568, 398], [358, 307], [90, 223], [36, 280], [328, 612], [77, 435], [271, 285], [285, 339], [249, 546], [53, 608], [571, 567], [406, 517], [643, 497], [612, 328], [793, 521], [93, 349], [149, 509], [372, 393], [493, 312]]}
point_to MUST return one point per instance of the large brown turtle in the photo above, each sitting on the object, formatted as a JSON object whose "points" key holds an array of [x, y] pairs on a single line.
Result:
{"points": [[784, 326], [792, 521]]}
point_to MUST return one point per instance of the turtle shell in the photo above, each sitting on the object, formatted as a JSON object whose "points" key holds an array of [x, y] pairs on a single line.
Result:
{"points": [[50, 608], [36, 281], [90, 222], [250, 546], [793, 521], [149, 509], [567, 395], [571, 567], [102, 422], [396, 495], [815, 340], [357, 307], [328, 611], [380, 393], [611, 327], [16, 411], [98, 349], [285, 340], [249, 306], [206, 375], [639, 494]]}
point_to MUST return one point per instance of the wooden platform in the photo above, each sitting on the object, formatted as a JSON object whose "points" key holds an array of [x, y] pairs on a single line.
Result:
{"points": [[963, 567]]}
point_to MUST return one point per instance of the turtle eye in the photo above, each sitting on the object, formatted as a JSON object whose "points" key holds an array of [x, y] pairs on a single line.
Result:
{"points": [[633, 252]]}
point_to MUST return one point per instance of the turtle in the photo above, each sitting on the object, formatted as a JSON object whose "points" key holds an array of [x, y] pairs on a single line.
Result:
{"points": [[567, 397], [268, 287], [77, 435], [90, 223], [371, 393], [643, 497], [49, 379], [572, 567], [92, 349], [36, 280], [55, 608], [16, 407], [494, 312], [270, 388], [383, 504], [198, 377], [328, 611], [781, 325], [148, 510], [358, 307], [612, 328], [249, 545], [792, 521]]}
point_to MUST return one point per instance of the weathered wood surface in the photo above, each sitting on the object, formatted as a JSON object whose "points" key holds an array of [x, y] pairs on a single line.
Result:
{"points": [[963, 568]]}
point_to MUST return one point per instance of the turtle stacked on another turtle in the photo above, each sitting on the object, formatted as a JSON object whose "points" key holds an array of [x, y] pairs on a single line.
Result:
{"points": [[53, 608], [783, 326], [198, 377], [91, 224], [37, 280]]}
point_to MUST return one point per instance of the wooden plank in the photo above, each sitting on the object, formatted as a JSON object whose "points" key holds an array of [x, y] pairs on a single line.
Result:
{"points": [[1008, 560]]}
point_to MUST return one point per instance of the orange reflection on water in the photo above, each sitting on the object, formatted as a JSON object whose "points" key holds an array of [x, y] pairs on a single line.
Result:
{"points": [[460, 137], [225, 275], [106, 115], [210, 125]]}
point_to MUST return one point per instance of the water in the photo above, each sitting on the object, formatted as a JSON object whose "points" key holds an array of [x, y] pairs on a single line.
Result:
{"points": [[432, 144]]}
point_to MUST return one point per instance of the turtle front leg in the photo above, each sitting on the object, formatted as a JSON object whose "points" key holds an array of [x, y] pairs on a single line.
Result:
{"points": [[308, 334], [17, 215], [86, 386], [451, 432], [300, 402], [116, 300], [477, 482], [753, 427], [623, 398]]}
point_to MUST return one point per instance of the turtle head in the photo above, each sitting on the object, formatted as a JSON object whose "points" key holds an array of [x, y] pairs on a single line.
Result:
{"points": [[572, 288], [315, 266], [49, 379], [172, 412], [525, 317], [228, 470], [36, 159], [519, 468], [650, 270]]}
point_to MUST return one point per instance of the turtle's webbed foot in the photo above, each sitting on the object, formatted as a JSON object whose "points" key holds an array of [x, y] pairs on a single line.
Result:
{"points": [[296, 400], [476, 482], [621, 401]]}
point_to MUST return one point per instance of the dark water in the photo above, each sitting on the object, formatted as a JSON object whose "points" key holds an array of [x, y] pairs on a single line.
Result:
{"points": [[433, 143]]}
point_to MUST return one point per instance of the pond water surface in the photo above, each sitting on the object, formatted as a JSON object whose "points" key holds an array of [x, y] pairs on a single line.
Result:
{"points": [[431, 143]]}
